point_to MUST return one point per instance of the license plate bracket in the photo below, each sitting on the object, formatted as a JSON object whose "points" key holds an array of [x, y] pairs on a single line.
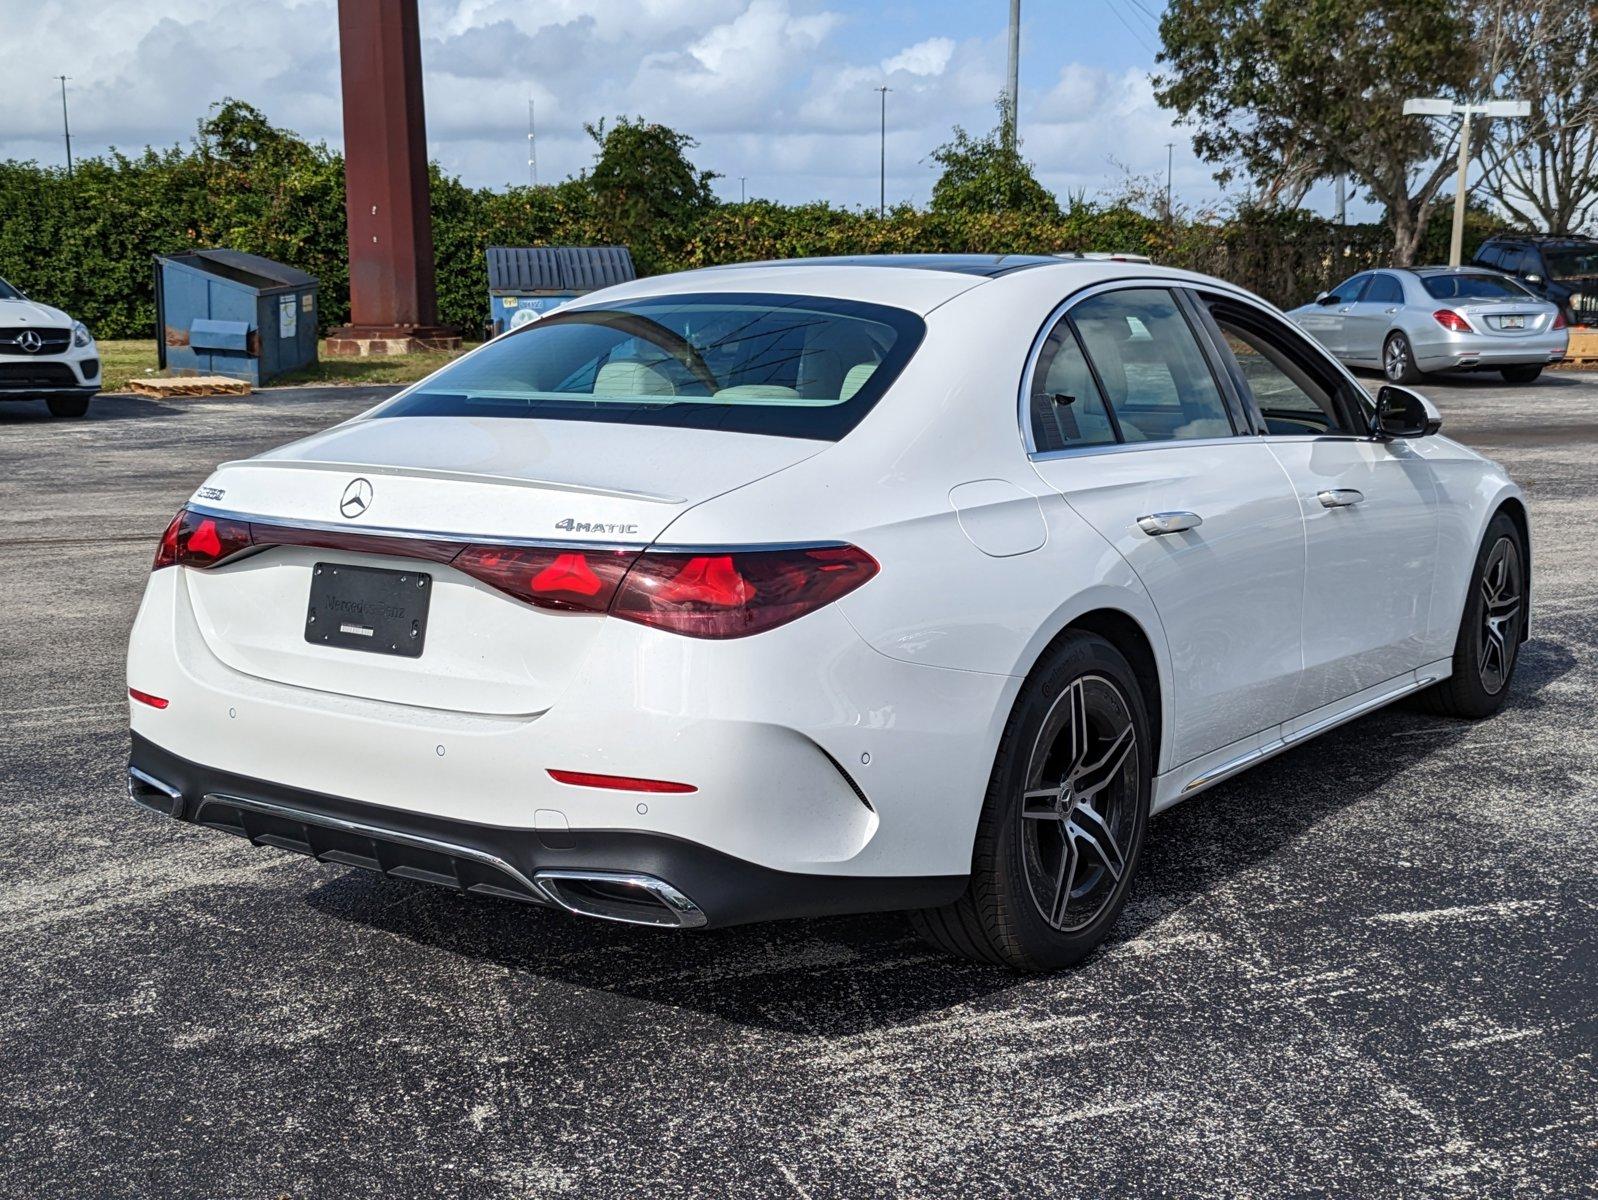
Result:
{"points": [[1514, 322], [367, 608]]}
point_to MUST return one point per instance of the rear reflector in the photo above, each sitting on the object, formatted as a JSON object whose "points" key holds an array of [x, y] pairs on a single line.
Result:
{"points": [[1451, 320], [618, 783], [146, 698]]}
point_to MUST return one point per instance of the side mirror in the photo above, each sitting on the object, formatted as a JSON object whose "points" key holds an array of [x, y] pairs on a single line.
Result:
{"points": [[1533, 277], [1325, 299], [1401, 413]]}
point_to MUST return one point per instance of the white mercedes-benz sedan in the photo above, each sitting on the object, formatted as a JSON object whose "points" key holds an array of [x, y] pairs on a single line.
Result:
{"points": [[820, 587]]}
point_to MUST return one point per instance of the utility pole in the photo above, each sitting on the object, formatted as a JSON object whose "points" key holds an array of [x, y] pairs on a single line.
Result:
{"points": [[1342, 198], [532, 143], [66, 126], [882, 157], [1170, 151], [742, 194], [1436, 106], [1012, 93]]}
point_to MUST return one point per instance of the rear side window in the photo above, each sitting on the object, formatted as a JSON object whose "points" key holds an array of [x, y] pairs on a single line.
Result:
{"points": [[790, 366], [1068, 408], [1474, 287], [1155, 377], [1384, 289]]}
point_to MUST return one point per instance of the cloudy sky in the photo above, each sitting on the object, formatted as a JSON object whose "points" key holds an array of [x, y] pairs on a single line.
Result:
{"points": [[777, 91]]}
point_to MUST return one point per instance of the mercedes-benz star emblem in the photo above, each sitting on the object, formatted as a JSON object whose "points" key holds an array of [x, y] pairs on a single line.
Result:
{"points": [[357, 498], [30, 341]]}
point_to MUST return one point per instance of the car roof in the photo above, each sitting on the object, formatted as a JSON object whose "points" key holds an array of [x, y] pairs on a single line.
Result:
{"points": [[1462, 269], [1545, 239], [917, 282]]}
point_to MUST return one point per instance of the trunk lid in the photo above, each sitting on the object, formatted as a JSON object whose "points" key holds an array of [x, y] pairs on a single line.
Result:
{"points": [[1506, 317], [462, 480]]}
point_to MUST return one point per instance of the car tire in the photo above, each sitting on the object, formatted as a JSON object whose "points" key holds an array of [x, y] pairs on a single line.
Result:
{"points": [[1490, 631], [68, 406], [1398, 360], [1065, 780], [1522, 374]]}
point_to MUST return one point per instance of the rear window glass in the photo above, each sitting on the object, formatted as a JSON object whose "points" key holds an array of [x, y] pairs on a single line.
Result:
{"points": [[1473, 287], [792, 366]]}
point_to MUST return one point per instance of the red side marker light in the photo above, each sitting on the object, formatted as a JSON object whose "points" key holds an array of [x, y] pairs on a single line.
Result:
{"points": [[146, 698], [618, 783]]}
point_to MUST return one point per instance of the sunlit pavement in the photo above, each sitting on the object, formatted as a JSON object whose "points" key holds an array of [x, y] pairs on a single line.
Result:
{"points": [[1367, 968]]}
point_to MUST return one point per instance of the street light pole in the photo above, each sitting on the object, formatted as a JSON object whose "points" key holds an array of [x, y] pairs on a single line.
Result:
{"points": [[882, 157], [66, 127], [1436, 106]]}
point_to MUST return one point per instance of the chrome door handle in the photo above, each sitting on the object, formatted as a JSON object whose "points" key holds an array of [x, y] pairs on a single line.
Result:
{"points": [[1159, 523], [1339, 497]]}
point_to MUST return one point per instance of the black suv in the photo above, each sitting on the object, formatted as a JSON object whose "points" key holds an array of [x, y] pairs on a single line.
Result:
{"points": [[1563, 270]]}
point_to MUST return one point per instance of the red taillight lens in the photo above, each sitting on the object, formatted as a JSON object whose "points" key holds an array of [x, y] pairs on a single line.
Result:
{"points": [[575, 580], [619, 783], [196, 540], [1451, 320], [1559, 319], [737, 594], [146, 698]]}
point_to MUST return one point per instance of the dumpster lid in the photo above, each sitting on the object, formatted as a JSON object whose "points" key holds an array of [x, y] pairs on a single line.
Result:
{"points": [[252, 270], [558, 268]]}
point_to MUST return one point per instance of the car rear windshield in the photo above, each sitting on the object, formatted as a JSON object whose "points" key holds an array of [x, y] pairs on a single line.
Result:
{"points": [[1572, 262], [1473, 287], [793, 366]]}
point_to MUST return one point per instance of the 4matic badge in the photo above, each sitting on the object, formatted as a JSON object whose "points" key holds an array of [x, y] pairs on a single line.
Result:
{"points": [[571, 526]]}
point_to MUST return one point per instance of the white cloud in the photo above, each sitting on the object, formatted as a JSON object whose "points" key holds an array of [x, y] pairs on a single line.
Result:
{"points": [[780, 91], [924, 58]]}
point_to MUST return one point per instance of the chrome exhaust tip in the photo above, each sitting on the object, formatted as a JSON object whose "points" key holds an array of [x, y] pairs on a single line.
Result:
{"points": [[621, 896], [146, 789]]}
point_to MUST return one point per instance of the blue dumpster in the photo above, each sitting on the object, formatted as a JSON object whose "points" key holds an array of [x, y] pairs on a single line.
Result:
{"points": [[225, 312], [534, 279]]}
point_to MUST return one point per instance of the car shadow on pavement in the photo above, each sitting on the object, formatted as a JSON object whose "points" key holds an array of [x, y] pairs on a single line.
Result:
{"points": [[114, 407], [852, 975]]}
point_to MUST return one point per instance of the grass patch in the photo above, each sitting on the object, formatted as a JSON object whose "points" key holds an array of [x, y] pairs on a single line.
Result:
{"points": [[121, 362]]}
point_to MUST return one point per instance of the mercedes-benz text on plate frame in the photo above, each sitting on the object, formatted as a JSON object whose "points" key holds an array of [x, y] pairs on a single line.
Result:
{"points": [[741, 594]]}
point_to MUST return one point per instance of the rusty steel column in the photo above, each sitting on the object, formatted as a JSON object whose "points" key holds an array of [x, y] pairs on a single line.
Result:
{"points": [[393, 303]]}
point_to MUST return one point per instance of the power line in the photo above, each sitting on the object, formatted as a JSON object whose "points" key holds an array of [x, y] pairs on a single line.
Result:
{"points": [[1130, 28]]}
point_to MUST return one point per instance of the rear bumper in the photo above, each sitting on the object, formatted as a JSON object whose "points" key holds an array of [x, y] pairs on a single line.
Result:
{"points": [[1464, 352], [639, 878]]}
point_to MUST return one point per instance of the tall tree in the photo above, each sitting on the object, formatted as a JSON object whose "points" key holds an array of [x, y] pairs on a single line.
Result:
{"points": [[1544, 171], [1285, 92], [648, 195], [987, 174]]}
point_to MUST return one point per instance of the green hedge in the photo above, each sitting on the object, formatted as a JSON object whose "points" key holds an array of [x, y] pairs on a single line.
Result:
{"points": [[85, 243]]}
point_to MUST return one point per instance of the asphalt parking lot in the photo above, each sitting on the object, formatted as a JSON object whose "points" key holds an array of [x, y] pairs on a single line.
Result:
{"points": [[1369, 967]]}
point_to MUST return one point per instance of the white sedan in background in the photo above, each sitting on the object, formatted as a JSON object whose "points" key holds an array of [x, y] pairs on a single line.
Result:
{"points": [[819, 587]]}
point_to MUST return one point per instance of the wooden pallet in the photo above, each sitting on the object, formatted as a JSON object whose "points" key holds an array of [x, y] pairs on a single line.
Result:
{"points": [[1583, 350], [190, 385]]}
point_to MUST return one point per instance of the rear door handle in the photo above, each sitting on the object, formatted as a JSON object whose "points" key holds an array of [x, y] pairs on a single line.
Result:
{"points": [[1156, 524], [1339, 497]]}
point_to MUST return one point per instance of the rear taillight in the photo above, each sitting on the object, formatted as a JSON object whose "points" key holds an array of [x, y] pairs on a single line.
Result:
{"points": [[574, 580], [1452, 321], [1559, 319], [194, 539], [728, 595]]}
